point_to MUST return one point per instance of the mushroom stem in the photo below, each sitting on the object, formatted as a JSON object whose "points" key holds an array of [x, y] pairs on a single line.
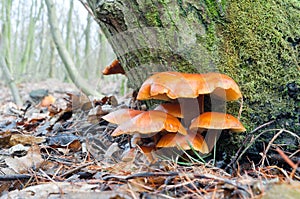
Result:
{"points": [[211, 137], [190, 108], [200, 99]]}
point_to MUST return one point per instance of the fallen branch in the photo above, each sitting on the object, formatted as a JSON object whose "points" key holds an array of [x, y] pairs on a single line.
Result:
{"points": [[14, 177]]}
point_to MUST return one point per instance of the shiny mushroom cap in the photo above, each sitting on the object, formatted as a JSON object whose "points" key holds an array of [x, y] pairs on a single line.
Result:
{"points": [[168, 85], [114, 68], [195, 141], [222, 86], [216, 120], [170, 108], [173, 85], [122, 115], [150, 122]]}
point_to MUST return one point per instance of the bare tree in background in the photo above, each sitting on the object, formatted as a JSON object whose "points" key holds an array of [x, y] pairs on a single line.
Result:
{"points": [[64, 54], [5, 52]]}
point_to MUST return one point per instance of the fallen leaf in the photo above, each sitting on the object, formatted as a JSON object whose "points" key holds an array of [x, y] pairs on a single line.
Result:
{"points": [[22, 164], [69, 141], [95, 114], [18, 149], [79, 101], [25, 139], [39, 94], [4, 138]]}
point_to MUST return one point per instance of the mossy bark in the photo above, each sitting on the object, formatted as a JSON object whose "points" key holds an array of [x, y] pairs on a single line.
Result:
{"points": [[255, 42]]}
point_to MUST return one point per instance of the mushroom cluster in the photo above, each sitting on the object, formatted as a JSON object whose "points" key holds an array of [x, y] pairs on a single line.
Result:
{"points": [[181, 121]]}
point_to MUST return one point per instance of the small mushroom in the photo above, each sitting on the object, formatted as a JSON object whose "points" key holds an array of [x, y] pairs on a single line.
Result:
{"points": [[150, 122], [216, 120], [193, 140], [114, 68], [122, 115]]}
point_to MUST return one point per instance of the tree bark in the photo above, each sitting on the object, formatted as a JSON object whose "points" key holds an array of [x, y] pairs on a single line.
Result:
{"points": [[155, 36], [254, 42]]}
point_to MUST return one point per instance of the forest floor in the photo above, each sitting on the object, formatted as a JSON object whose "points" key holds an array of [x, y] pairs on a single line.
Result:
{"points": [[63, 149]]}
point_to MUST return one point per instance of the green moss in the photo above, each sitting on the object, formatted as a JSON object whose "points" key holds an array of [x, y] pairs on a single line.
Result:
{"points": [[257, 50], [152, 16]]}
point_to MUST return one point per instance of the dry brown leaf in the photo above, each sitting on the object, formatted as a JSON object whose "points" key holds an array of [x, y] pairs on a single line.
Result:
{"points": [[25, 139], [4, 138], [79, 101], [95, 114], [22, 164]]}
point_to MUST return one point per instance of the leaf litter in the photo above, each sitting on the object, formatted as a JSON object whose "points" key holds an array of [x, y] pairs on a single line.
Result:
{"points": [[61, 148]]}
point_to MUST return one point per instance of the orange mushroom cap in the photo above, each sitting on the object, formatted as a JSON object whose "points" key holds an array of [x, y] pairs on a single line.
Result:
{"points": [[122, 115], [114, 68], [150, 122], [172, 85], [47, 101], [170, 108], [196, 141], [168, 85], [216, 120], [222, 86]]}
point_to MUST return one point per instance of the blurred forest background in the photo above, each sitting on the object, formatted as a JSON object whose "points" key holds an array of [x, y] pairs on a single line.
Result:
{"points": [[28, 52]]}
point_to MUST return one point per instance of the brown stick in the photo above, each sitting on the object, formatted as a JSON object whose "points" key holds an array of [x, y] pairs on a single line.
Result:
{"points": [[14, 177]]}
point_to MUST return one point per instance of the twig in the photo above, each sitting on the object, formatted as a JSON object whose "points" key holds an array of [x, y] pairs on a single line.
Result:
{"points": [[46, 175], [230, 182], [295, 154], [87, 8], [288, 161], [250, 144], [131, 192], [286, 158], [237, 156], [268, 147], [76, 169], [14, 177], [237, 153], [190, 181], [262, 126]]}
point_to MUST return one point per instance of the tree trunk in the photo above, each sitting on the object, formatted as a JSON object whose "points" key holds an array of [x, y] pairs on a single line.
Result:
{"points": [[155, 36], [5, 52], [254, 42], [65, 55]]}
